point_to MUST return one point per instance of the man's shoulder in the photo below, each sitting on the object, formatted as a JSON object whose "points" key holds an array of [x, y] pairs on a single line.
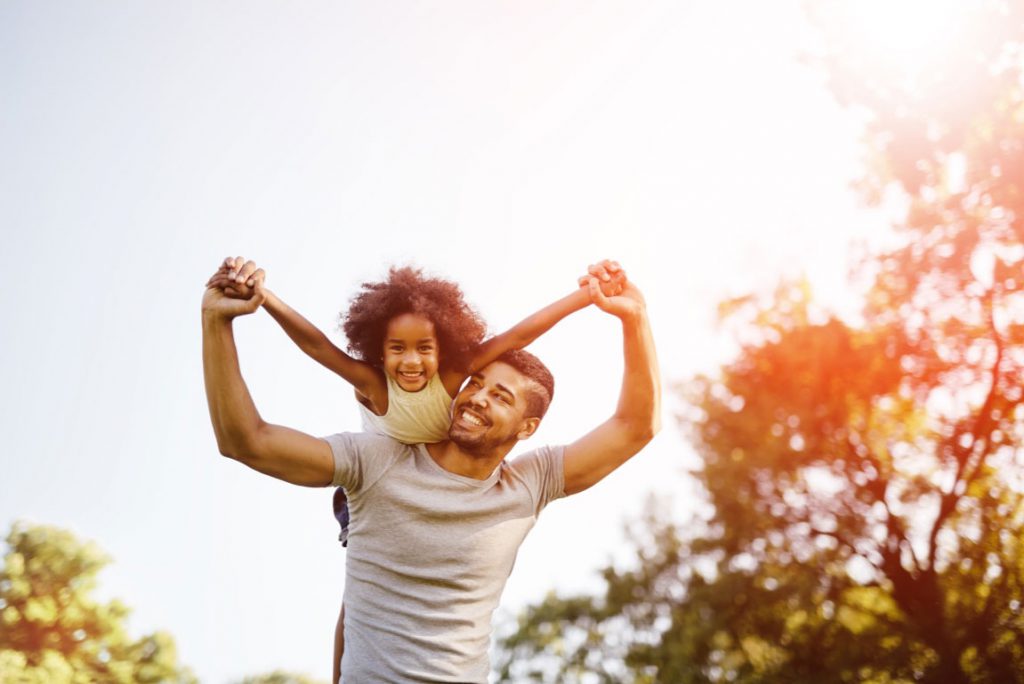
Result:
{"points": [[542, 470], [547, 454], [544, 450], [366, 442], [361, 438], [361, 458]]}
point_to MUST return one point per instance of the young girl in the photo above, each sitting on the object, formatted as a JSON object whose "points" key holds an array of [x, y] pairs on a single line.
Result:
{"points": [[414, 341]]}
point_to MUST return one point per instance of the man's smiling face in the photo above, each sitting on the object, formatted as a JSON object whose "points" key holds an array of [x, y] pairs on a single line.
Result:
{"points": [[490, 411]]}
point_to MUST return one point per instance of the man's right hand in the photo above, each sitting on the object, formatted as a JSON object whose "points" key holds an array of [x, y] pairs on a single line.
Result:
{"points": [[236, 289], [610, 277], [629, 303]]}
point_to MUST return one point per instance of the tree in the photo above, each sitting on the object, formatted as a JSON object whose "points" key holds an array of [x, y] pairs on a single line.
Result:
{"points": [[867, 477], [280, 677], [54, 631]]}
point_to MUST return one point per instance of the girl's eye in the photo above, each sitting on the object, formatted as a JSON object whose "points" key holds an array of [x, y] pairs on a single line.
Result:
{"points": [[426, 350]]}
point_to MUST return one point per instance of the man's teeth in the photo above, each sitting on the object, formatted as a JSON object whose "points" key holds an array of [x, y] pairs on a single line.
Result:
{"points": [[471, 419]]}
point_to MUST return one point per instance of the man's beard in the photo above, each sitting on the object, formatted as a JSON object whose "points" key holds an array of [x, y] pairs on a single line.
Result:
{"points": [[477, 444]]}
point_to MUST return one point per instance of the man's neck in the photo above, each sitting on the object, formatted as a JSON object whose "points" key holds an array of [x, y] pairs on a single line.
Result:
{"points": [[454, 459]]}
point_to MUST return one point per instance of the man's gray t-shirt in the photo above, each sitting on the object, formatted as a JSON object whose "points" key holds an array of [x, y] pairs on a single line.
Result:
{"points": [[429, 553]]}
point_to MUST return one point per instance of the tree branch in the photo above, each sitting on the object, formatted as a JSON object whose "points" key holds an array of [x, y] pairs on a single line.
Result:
{"points": [[966, 454]]}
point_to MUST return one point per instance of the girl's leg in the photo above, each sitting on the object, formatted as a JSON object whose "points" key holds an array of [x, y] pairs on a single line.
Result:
{"points": [[339, 644]]}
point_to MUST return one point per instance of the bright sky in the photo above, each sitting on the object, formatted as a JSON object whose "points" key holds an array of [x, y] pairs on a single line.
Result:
{"points": [[504, 145]]}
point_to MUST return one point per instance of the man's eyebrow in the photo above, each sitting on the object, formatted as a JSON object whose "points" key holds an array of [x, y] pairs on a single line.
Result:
{"points": [[479, 375]]}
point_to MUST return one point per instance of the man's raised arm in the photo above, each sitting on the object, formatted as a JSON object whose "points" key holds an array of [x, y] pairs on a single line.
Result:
{"points": [[241, 434], [638, 415]]}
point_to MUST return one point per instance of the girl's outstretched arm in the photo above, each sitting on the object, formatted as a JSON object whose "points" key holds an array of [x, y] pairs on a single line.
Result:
{"points": [[367, 380], [523, 333]]}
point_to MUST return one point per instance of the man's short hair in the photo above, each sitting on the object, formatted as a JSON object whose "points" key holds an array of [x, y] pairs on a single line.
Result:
{"points": [[540, 389]]}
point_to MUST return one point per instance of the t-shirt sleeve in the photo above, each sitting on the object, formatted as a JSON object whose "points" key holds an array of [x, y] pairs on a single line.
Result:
{"points": [[360, 458], [543, 473]]}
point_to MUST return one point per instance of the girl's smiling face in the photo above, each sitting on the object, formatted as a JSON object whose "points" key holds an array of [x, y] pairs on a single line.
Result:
{"points": [[410, 351]]}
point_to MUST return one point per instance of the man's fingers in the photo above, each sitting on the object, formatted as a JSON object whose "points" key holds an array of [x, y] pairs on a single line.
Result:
{"points": [[600, 271], [245, 270], [259, 295], [220, 280], [612, 288], [225, 266], [596, 270], [257, 278], [234, 265]]}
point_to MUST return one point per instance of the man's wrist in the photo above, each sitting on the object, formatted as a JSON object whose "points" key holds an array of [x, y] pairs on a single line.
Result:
{"points": [[214, 317], [634, 315]]}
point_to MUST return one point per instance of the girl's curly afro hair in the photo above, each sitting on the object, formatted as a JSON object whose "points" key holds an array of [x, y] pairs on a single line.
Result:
{"points": [[458, 327]]}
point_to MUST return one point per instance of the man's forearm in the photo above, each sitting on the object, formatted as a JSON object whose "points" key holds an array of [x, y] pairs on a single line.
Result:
{"points": [[640, 399], [232, 411], [637, 417]]}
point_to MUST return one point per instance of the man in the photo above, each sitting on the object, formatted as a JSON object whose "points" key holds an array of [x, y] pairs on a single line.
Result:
{"points": [[437, 526]]}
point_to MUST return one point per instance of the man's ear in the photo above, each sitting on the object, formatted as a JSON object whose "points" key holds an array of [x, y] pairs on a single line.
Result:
{"points": [[528, 427]]}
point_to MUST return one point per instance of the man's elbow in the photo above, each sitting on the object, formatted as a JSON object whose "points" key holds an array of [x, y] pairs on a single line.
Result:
{"points": [[643, 431], [231, 450], [241, 447]]}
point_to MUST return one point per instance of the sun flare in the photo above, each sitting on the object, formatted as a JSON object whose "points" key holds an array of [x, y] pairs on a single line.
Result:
{"points": [[910, 35]]}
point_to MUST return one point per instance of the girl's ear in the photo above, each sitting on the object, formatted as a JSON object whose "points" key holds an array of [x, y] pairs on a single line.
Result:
{"points": [[527, 429]]}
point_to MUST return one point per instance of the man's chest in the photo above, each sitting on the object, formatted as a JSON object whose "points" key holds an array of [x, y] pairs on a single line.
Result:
{"points": [[441, 527]]}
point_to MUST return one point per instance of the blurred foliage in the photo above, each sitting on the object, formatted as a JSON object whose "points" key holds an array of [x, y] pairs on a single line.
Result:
{"points": [[281, 677], [52, 630], [865, 477]]}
